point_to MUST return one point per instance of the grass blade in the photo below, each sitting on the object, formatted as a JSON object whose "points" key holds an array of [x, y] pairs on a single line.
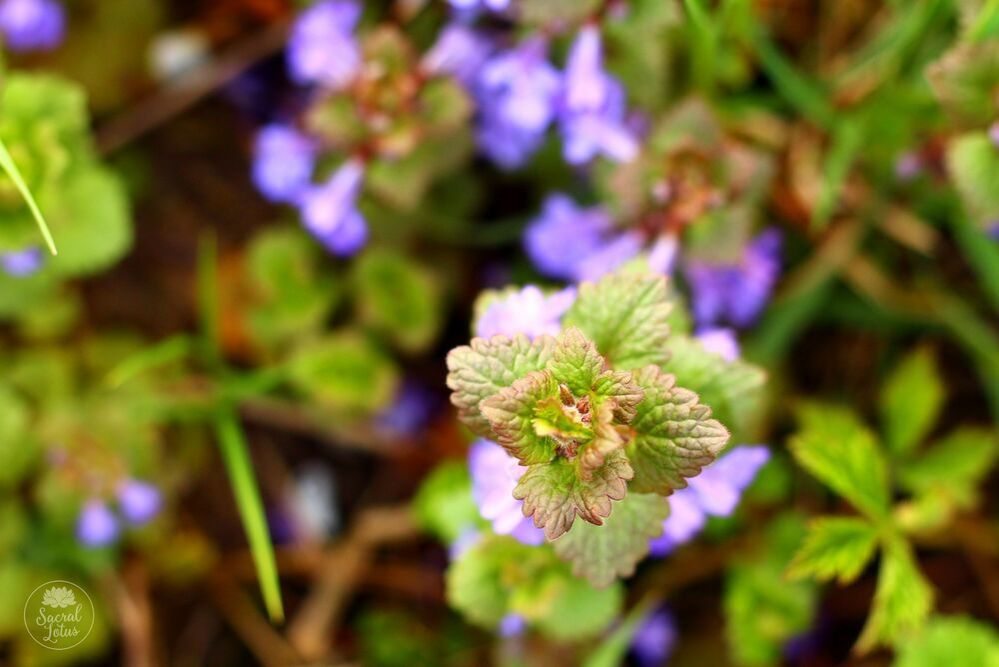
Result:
{"points": [[236, 457], [8, 165]]}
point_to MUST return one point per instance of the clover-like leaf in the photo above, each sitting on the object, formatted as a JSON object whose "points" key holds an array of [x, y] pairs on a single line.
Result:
{"points": [[555, 494], [483, 368], [603, 553], [837, 547], [526, 417], [674, 435], [626, 315], [903, 599]]}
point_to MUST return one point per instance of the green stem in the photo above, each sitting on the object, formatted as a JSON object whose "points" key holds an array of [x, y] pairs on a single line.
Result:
{"points": [[8, 165]]}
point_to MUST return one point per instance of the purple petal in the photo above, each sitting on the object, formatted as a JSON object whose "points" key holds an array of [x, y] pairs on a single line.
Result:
{"points": [[721, 341], [563, 235], [494, 476], [528, 311], [459, 51], [686, 520], [22, 263], [322, 48], [655, 639], [139, 502], [283, 163], [32, 25], [720, 485], [329, 211], [96, 525]]}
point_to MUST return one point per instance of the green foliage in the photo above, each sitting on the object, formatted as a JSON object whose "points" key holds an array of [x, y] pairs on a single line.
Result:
{"points": [[973, 163], [499, 576], [444, 506], [603, 553], [626, 315], [835, 547], [344, 371], [903, 599], [763, 610], [397, 298], [834, 446], [951, 640], [910, 401], [292, 293], [46, 130], [954, 467]]}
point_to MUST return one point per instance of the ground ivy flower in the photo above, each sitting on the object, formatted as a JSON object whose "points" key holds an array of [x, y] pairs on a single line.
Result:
{"points": [[138, 501], [715, 492], [592, 114], [517, 93], [330, 213], [283, 162], [473, 5], [720, 340], [21, 263], [32, 25], [736, 292], [494, 476], [527, 311], [322, 48], [655, 639], [96, 525], [460, 51], [564, 234]]}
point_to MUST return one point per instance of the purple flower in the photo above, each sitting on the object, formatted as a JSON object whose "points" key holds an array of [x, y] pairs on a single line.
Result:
{"points": [[529, 311], [994, 134], [330, 213], [715, 492], [654, 640], [617, 249], [736, 293], [465, 541], [563, 234], [96, 526], [139, 501], [593, 112], [663, 253], [472, 5], [32, 25], [720, 340], [908, 167], [512, 625], [517, 92], [459, 51], [322, 48], [494, 475], [283, 161], [411, 410], [21, 263]]}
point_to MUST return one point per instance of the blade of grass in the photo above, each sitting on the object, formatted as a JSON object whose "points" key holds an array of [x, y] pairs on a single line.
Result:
{"points": [[800, 92], [704, 44], [8, 165], [167, 351], [236, 457], [208, 296]]}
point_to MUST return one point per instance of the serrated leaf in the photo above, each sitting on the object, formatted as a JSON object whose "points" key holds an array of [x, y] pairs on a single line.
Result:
{"points": [[514, 414], [834, 446], [604, 553], [674, 435], [626, 315], [575, 361], [955, 466], [835, 547], [910, 401], [948, 641], [344, 371], [973, 164], [902, 601], [555, 494], [481, 369], [734, 390]]}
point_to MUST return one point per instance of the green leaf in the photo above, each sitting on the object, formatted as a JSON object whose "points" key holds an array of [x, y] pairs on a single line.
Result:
{"points": [[910, 401], [19, 449], [444, 505], [674, 435], [555, 493], [575, 361], [236, 457], [734, 390], [626, 315], [834, 446], [577, 611], [481, 369], [902, 601], [292, 292], [763, 610], [14, 174], [948, 641], [344, 371], [973, 163], [955, 466], [522, 422], [398, 298], [604, 553], [835, 547]]}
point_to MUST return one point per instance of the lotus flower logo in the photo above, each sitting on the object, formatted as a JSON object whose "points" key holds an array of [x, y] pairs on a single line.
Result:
{"points": [[59, 597]]}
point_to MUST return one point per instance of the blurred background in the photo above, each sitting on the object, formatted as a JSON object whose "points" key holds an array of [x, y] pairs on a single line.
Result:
{"points": [[223, 404]]}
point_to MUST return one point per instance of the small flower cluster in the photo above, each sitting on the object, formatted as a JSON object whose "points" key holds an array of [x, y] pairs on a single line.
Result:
{"points": [[138, 503]]}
